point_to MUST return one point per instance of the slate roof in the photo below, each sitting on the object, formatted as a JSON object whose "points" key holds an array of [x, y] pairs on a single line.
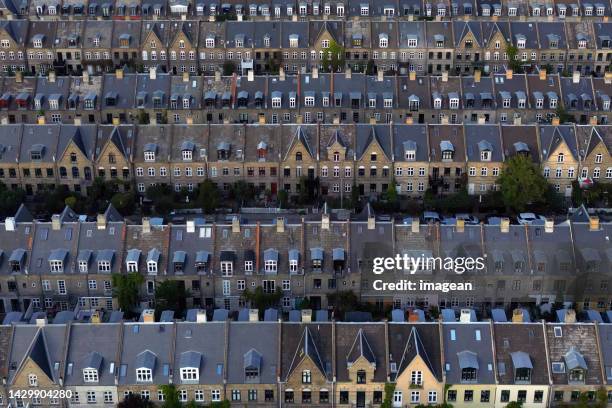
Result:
{"points": [[146, 345], [262, 338], [578, 338], [407, 341], [309, 339], [466, 348], [522, 343]]}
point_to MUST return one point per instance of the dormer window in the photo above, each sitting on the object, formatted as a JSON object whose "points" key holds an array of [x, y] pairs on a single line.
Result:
{"points": [[361, 377], [149, 156], [383, 41], [90, 375], [560, 158], [522, 374], [270, 261], [410, 155], [33, 380], [520, 42], [576, 375], [144, 375], [412, 42], [187, 155], [190, 374], [582, 44], [37, 43], [227, 268], [468, 374], [485, 155], [293, 41], [447, 150], [210, 42]]}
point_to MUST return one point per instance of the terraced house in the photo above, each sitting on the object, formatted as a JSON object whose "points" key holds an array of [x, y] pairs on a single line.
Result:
{"points": [[242, 361]]}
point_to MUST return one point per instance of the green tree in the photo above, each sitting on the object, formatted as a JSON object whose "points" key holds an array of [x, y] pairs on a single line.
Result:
{"points": [[10, 200], [171, 396], [171, 295], [162, 197], [258, 299], [135, 401], [388, 399], [563, 116], [370, 67], [391, 195], [283, 198], [333, 57], [126, 288], [513, 63], [514, 404], [343, 301], [208, 196], [242, 192], [521, 183], [124, 202], [229, 68]]}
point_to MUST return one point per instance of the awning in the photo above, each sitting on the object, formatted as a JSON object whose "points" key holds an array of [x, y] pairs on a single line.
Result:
{"points": [[202, 257], [316, 254], [271, 255], [227, 256], [338, 254], [520, 359], [179, 257], [59, 254], [468, 359]]}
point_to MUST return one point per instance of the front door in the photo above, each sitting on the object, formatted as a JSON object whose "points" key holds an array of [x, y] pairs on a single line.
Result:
{"points": [[397, 399], [361, 399]]}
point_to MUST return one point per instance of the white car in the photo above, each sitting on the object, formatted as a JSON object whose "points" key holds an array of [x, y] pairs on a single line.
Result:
{"points": [[529, 218], [467, 218]]}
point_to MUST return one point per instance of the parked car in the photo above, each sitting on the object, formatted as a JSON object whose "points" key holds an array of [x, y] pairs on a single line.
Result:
{"points": [[449, 221], [530, 218], [467, 219], [431, 216]]}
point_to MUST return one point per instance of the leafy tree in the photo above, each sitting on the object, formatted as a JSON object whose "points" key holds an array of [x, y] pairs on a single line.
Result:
{"points": [[53, 200], [563, 116], [333, 57], [370, 67], [513, 63], [126, 288], [521, 183], [283, 198], [391, 194], [514, 404], [208, 196], [192, 404], [229, 68], [220, 404], [171, 396], [261, 300], [171, 295], [10, 200], [135, 401], [343, 301], [162, 197], [124, 202], [242, 192], [388, 399]]}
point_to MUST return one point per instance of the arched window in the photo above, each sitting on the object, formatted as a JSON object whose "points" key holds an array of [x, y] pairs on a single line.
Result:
{"points": [[75, 172], [73, 157], [336, 156]]}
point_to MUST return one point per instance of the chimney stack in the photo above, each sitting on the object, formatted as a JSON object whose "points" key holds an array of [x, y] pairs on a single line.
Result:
{"points": [[549, 225], [101, 221], [517, 316], [253, 315], [593, 223], [146, 225], [56, 222], [119, 73], [148, 316], [543, 74], [52, 76], [250, 75], [190, 226], [570, 316], [460, 226], [236, 224], [315, 72], [280, 224], [477, 75], [509, 74], [152, 73], [576, 77], [444, 76], [306, 315], [185, 76], [505, 224], [347, 73], [9, 223], [201, 316]]}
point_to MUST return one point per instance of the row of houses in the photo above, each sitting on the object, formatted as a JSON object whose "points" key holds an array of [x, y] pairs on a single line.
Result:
{"points": [[340, 98], [203, 47], [320, 364], [56, 265], [340, 158], [158, 98], [265, 10]]}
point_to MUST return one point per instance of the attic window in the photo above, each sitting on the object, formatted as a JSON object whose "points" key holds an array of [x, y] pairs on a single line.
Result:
{"points": [[144, 375], [558, 368], [558, 331], [90, 375]]}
